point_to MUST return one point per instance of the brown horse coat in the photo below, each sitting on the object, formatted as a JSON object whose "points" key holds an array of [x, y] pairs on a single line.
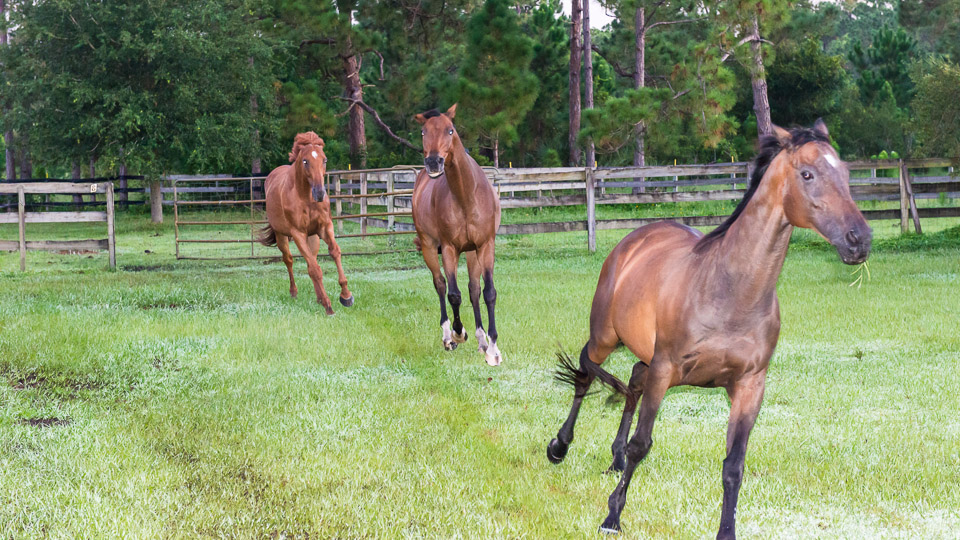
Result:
{"points": [[456, 210], [298, 208]]}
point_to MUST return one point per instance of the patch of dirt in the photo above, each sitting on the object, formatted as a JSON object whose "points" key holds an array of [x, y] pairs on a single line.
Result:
{"points": [[46, 422], [146, 267], [34, 381], [76, 252]]}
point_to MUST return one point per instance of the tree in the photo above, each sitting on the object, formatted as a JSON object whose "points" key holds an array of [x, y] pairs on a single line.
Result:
{"points": [[173, 91], [576, 56], [805, 82], [496, 84], [937, 109], [7, 132], [886, 60], [588, 79]]}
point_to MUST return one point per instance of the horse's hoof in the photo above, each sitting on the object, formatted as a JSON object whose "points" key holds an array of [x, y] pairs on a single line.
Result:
{"points": [[492, 355], [611, 525], [450, 345], [293, 293], [329, 310], [556, 451], [461, 337], [346, 302]]}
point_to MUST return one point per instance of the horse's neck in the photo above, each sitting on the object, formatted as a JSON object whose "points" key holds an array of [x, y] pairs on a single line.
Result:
{"points": [[460, 177], [752, 252]]}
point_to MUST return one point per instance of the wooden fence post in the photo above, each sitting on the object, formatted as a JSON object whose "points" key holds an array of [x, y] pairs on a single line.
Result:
{"points": [[363, 203], [905, 174], [336, 190], [156, 201], [111, 238], [904, 204], [390, 201], [22, 222], [590, 182]]}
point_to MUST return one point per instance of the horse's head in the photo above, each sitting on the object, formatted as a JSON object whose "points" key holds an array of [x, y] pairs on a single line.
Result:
{"points": [[438, 133], [310, 162], [817, 192]]}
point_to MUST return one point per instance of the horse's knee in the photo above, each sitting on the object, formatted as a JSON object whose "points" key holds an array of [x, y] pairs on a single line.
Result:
{"points": [[490, 294], [335, 251], [638, 447], [315, 273], [732, 472], [454, 297]]}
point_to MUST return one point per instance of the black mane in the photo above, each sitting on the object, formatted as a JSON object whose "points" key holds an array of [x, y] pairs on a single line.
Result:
{"points": [[431, 113], [770, 147]]}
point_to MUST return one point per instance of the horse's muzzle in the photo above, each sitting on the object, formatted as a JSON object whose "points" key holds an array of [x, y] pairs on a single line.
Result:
{"points": [[319, 194], [433, 165], [855, 246]]}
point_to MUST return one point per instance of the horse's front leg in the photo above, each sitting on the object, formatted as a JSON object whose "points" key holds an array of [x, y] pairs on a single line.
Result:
{"points": [[346, 297], [618, 449], [428, 248], [316, 274], [451, 259], [745, 399], [485, 255]]}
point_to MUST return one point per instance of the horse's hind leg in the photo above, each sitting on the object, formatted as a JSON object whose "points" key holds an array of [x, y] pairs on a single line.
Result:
{"points": [[656, 383], [429, 252], [581, 378], [476, 279], [629, 408], [485, 256], [451, 259], [283, 243]]}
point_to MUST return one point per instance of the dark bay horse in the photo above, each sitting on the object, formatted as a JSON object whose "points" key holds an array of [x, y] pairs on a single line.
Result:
{"points": [[703, 310], [456, 210], [298, 208]]}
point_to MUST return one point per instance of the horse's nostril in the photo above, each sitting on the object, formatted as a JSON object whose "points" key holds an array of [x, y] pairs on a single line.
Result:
{"points": [[852, 237]]}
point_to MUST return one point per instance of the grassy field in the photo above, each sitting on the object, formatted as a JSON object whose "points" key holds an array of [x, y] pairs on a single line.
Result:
{"points": [[197, 399]]}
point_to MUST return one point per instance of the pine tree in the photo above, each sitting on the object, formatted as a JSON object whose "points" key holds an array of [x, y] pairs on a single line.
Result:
{"points": [[496, 85]]}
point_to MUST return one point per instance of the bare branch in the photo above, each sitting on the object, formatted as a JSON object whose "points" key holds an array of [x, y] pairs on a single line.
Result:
{"points": [[376, 52], [616, 65], [746, 39], [380, 122], [681, 21]]}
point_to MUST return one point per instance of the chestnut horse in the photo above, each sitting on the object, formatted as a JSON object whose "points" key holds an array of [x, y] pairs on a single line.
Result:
{"points": [[703, 311], [298, 208], [456, 210]]}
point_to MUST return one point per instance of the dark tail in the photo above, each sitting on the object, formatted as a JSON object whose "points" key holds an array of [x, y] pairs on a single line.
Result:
{"points": [[267, 236], [567, 373]]}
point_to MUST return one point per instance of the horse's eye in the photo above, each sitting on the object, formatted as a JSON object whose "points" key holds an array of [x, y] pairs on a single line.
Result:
{"points": [[806, 175], [451, 131], [304, 162], [423, 133]]}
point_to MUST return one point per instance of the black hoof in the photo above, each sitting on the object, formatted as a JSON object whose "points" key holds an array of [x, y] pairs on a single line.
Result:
{"points": [[611, 525], [556, 451], [452, 346], [346, 302]]}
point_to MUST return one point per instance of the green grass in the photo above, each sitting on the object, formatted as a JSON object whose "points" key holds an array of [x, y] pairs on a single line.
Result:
{"points": [[196, 399]]}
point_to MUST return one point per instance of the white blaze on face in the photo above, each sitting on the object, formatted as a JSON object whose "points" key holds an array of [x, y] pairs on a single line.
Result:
{"points": [[314, 153], [834, 162]]}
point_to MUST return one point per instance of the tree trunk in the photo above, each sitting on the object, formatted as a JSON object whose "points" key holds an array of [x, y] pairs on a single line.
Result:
{"points": [[26, 166], [122, 194], [639, 81], [576, 28], [588, 77], [761, 104], [357, 135], [8, 135], [156, 201], [496, 152], [254, 110]]}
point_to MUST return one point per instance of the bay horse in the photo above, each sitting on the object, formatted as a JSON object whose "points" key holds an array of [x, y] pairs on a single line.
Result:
{"points": [[703, 310], [298, 208], [456, 210]]}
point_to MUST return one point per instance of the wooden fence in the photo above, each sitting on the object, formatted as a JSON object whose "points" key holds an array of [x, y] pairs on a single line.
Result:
{"points": [[22, 217], [389, 190]]}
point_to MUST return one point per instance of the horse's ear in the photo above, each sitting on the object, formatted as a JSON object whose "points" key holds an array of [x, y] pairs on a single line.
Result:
{"points": [[452, 111], [821, 127], [782, 135], [421, 119]]}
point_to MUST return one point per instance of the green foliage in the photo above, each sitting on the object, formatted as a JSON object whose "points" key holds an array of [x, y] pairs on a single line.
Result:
{"points": [[804, 82], [937, 108], [172, 91], [885, 61], [496, 86]]}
